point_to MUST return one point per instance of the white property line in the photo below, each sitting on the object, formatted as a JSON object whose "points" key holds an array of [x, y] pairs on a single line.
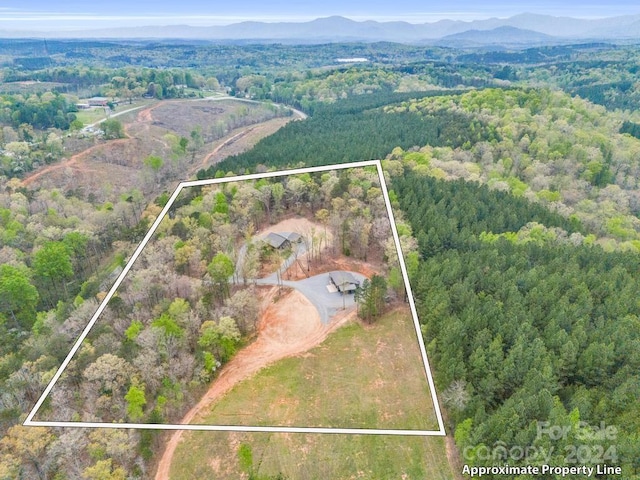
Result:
{"points": [[414, 312], [240, 428], [29, 422]]}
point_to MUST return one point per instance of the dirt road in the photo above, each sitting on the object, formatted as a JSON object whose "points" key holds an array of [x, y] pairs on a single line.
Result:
{"points": [[72, 162], [288, 327], [238, 141]]}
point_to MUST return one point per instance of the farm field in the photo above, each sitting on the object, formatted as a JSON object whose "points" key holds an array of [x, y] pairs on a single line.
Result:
{"points": [[360, 376], [218, 455]]}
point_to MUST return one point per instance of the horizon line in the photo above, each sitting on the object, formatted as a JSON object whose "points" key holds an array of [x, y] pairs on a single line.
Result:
{"points": [[99, 22]]}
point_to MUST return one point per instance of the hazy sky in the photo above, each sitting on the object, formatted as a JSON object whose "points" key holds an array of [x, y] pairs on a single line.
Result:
{"points": [[76, 14]]}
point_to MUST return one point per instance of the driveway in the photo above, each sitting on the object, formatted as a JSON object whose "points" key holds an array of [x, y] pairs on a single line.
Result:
{"points": [[315, 289], [299, 250]]}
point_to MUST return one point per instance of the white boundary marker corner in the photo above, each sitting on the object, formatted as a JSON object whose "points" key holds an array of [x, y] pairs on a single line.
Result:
{"points": [[29, 422]]}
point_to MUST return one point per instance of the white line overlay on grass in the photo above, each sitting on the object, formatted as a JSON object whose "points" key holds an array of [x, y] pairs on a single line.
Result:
{"points": [[29, 422]]}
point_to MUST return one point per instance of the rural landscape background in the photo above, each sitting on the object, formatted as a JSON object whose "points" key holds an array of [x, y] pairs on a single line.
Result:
{"points": [[510, 144]]}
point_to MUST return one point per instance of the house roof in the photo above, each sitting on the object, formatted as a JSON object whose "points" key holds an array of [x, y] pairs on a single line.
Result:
{"points": [[343, 278], [291, 236], [275, 240]]}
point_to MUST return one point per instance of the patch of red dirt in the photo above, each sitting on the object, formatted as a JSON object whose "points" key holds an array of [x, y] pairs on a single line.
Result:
{"points": [[326, 263], [72, 162], [289, 325]]}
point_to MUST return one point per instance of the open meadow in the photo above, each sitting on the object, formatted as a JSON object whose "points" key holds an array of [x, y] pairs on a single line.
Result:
{"points": [[362, 376]]}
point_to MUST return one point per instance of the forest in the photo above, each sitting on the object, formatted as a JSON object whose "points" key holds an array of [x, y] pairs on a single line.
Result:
{"points": [[182, 312], [540, 328], [515, 178]]}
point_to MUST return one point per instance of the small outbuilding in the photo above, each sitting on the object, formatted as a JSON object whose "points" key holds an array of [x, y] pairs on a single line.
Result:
{"points": [[282, 240], [277, 241], [98, 101], [344, 282]]}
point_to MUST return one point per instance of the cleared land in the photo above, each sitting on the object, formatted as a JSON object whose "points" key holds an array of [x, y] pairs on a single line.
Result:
{"points": [[226, 127], [361, 376], [289, 326], [297, 456]]}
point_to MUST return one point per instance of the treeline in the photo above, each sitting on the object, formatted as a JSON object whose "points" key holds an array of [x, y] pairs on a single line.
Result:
{"points": [[40, 111], [631, 128], [124, 82], [527, 333], [360, 103], [542, 145], [613, 95], [453, 214], [349, 131], [602, 74], [453, 75]]}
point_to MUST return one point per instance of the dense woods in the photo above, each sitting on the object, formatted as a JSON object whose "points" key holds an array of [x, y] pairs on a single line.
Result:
{"points": [[525, 332], [185, 308], [516, 173]]}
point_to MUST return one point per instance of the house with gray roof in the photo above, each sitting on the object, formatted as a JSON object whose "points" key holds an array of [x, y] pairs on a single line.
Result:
{"points": [[345, 282], [282, 240]]}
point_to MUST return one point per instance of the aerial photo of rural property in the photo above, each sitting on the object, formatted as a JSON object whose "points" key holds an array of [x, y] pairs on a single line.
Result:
{"points": [[237, 275], [276, 241]]}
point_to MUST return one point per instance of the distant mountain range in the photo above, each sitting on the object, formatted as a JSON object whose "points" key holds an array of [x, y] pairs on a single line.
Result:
{"points": [[526, 28], [498, 36]]}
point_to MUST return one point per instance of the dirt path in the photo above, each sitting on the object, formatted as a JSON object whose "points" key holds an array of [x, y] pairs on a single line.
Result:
{"points": [[226, 142], [71, 162], [241, 141], [144, 116], [113, 115], [453, 454], [290, 326]]}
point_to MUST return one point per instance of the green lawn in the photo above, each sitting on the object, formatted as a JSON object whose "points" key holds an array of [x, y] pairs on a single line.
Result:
{"points": [[204, 455], [90, 116], [93, 115], [362, 377]]}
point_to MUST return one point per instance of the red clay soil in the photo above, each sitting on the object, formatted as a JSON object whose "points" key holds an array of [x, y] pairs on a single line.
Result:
{"points": [[327, 263], [240, 141], [225, 143], [289, 325], [74, 162], [237, 142]]}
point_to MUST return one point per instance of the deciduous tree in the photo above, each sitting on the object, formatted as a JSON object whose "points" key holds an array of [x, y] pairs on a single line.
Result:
{"points": [[221, 269], [18, 297]]}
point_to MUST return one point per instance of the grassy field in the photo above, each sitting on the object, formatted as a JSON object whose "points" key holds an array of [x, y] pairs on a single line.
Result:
{"points": [[95, 114], [361, 376], [300, 456], [90, 116]]}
